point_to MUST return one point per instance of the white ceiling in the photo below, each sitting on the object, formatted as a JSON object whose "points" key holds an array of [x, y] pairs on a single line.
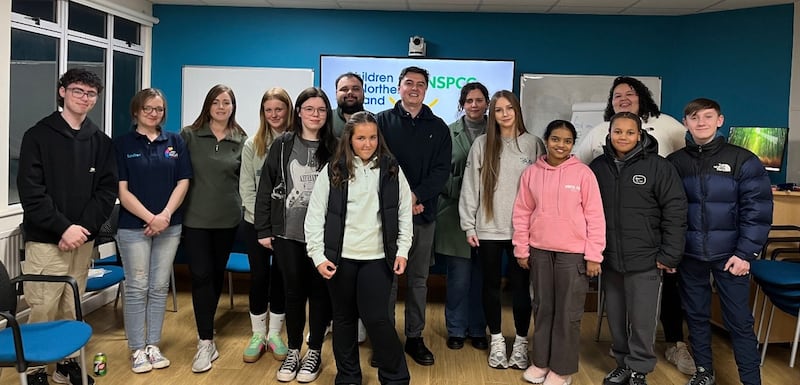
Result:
{"points": [[603, 7]]}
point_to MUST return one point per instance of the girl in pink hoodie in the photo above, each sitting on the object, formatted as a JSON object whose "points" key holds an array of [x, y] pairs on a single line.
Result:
{"points": [[559, 234]]}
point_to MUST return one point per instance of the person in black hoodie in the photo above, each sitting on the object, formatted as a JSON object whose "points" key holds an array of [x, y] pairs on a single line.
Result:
{"points": [[67, 185], [645, 208], [421, 142]]}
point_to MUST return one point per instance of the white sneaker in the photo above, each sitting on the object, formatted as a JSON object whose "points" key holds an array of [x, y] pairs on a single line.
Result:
{"points": [[519, 355], [497, 354], [139, 362], [291, 364], [206, 353], [156, 358], [362, 332], [312, 365]]}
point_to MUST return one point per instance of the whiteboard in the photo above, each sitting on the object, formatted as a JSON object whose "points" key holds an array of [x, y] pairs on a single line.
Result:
{"points": [[580, 99], [248, 84]]}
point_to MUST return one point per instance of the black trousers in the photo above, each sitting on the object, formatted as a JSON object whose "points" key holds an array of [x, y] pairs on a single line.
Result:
{"points": [[360, 289], [491, 253], [208, 251], [302, 282], [671, 309], [266, 282]]}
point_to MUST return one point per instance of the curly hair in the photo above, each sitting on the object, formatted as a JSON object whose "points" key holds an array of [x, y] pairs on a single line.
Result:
{"points": [[647, 106], [78, 75]]}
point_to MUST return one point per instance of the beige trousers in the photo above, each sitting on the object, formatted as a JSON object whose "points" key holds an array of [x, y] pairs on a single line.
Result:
{"points": [[53, 301]]}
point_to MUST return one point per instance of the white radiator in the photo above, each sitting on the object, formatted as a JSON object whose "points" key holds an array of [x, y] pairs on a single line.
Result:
{"points": [[10, 244]]}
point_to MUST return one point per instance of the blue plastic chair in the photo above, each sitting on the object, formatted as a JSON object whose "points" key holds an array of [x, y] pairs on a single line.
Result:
{"points": [[780, 282], [237, 263], [41, 343]]}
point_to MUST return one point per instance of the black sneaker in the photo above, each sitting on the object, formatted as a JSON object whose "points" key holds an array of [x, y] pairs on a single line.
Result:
{"points": [[69, 372], [702, 376], [618, 376], [310, 367], [637, 379], [38, 377]]}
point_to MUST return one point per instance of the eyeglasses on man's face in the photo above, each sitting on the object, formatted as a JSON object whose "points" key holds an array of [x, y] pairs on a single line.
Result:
{"points": [[80, 92], [149, 110]]}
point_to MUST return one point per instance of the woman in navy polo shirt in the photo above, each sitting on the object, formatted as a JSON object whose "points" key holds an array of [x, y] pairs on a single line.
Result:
{"points": [[154, 173]]}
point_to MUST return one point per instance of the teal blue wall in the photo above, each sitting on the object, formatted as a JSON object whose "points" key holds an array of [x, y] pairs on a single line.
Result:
{"points": [[740, 58]]}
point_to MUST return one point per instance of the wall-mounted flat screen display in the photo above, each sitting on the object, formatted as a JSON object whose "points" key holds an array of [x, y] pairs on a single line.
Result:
{"points": [[447, 76]]}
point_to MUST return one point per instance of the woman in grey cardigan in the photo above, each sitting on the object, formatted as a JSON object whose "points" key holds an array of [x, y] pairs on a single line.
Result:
{"points": [[496, 161]]}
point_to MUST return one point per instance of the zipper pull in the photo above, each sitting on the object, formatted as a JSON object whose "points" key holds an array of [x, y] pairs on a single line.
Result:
{"points": [[216, 147]]}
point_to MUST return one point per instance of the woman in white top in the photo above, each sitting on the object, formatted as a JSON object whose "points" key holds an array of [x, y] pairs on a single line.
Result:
{"points": [[495, 163], [631, 95]]}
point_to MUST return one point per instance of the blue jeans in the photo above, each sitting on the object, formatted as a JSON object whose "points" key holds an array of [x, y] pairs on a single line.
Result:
{"points": [[463, 310], [148, 263]]}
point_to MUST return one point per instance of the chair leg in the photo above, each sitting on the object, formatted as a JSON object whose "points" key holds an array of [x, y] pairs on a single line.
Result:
{"points": [[763, 313], [766, 338], [23, 378], [174, 291], [755, 301], [794, 343], [230, 287], [120, 293], [601, 308], [84, 374]]}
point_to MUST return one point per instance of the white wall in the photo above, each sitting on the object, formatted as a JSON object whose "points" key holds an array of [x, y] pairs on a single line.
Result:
{"points": [[793, 169]]}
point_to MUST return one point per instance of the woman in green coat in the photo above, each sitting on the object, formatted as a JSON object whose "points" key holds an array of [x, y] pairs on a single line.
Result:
{"points": [[463, 308]]}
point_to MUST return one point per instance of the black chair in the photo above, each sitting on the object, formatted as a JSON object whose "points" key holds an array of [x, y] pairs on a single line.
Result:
{"points": [[41, 343], [788, 234], [113, 274]]}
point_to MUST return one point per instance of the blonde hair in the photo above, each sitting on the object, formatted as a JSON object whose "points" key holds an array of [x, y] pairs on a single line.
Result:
{"points": [[264, 135]]}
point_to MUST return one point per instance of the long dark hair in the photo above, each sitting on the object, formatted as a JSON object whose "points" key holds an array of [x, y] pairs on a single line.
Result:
{"points": [[205, 111], [327, 142], [494, 146], [647, 106], [342, 162]]}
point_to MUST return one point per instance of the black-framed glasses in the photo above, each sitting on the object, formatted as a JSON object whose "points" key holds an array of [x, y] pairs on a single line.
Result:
{"points": [[148, 110], [80, 92]]}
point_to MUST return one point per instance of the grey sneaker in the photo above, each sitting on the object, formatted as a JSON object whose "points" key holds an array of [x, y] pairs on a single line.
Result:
{"points": [[312, 365], [519, 355], [206, 353], [617, 376], [679, 356], [291, 364], [139, 362], [497, 354], [702, 377]]}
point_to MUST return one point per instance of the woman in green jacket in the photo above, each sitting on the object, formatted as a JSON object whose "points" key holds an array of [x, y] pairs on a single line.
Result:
{"points": [[463, 308]]}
